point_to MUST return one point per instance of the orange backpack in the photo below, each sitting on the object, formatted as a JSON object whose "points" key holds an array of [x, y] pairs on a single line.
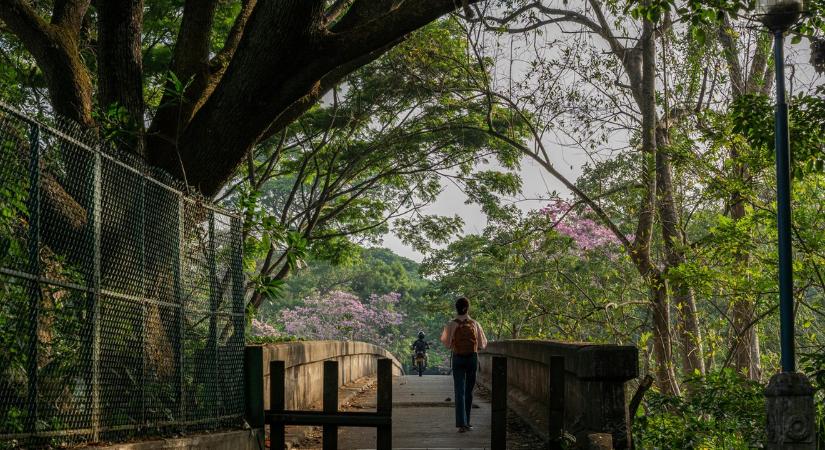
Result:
{"points": [[465, 341]]}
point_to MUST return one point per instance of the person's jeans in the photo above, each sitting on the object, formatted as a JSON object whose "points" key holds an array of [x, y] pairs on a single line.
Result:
{"points": [[464, 380]]}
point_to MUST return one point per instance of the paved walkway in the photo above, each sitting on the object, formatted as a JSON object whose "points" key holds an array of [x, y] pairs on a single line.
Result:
{"points": [[423, 417]]}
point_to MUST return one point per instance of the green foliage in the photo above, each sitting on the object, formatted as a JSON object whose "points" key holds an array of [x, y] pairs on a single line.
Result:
{"points": [[262, 340], [752, 117], [813, 364], [723, 411], [374, 156], [527, 279], [13, 205]]}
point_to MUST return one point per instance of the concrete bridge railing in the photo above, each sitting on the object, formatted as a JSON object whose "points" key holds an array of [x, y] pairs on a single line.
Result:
{"points": [[595, 400], [304, 363]]}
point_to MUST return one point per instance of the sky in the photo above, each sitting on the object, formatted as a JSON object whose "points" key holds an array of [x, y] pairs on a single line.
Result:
{"points": [[536, 186]]}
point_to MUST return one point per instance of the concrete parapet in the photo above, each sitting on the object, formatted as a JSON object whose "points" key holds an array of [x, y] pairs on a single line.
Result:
{"points": [[595, 377], [304, 363]]}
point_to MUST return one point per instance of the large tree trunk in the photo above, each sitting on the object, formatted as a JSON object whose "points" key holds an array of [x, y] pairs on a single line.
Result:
{"points": [[746, 352], [690, 336], [659, 295], [120, 68], [662, 341]]}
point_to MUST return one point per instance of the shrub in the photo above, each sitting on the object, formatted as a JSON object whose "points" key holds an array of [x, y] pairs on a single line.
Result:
{"points": [[722, 411]]}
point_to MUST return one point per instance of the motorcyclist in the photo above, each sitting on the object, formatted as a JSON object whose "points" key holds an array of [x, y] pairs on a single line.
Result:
{"points": [[420, 346]]}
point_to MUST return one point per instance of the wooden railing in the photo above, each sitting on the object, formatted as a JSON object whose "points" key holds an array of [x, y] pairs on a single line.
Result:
{"points": [[277, 417]]}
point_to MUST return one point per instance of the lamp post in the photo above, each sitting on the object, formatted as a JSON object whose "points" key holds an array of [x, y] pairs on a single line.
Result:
{"points": [[778, 16], [789, 395]]}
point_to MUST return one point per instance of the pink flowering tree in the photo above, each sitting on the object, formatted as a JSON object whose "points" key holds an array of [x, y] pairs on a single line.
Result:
{"points": [[343, 316], [586, 233], [259, 329]]}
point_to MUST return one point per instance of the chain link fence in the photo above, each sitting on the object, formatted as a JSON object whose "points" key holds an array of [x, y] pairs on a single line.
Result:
{"points": [[121, 297]]}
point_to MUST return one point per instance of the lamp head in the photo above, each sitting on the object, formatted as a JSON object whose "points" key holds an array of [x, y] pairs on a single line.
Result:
{"points": [[778, 15]]}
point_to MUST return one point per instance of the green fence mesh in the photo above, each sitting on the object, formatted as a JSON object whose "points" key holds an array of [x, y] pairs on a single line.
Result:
{"points": [[121, 297]]}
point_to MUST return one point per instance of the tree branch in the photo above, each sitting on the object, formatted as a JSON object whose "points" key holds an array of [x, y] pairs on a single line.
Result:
{"points": [[69, 14], [57, 56]]}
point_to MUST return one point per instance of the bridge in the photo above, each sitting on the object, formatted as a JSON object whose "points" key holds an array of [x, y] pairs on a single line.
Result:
{"points": [[573, 392]]}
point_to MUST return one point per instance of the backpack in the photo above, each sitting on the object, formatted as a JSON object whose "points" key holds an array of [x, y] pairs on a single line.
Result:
{"points": [[465, 341]]}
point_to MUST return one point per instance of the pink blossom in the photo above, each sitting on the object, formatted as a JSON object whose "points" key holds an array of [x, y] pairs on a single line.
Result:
{"points": [[585, 232], [343, 316], [263, 329]]}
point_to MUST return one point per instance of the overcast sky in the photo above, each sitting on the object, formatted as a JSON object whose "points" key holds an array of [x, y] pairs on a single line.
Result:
{"points": [[536, 184]]}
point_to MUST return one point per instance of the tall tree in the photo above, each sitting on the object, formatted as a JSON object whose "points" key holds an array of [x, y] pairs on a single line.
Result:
{"points": [[274, 62]]}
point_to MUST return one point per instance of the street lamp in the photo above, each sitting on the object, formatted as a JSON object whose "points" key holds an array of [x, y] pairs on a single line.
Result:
{"points": [[778, 16], [789, 395]]}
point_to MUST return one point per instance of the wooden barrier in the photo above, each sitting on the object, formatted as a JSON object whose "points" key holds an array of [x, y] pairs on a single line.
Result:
{"points": [[498, 428], [277, 417]]}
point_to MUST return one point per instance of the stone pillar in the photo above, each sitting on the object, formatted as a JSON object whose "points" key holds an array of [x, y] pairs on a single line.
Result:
{"points": [[789, 400]]}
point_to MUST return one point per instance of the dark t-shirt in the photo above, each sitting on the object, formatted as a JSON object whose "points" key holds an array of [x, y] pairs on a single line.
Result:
{"points": [[420, 345]]}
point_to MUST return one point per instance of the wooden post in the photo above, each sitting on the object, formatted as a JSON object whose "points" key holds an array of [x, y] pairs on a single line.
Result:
{"points": [[384, 403], [277, 404], [498, 426], [556, 401], [253, 364], [330, 436]]}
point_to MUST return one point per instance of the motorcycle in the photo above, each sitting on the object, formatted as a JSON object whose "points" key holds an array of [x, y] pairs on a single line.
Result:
{"points": [[420, 361]]}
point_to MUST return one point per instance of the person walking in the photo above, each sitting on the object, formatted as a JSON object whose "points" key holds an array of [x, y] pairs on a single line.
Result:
{"points": [[464, 337]]}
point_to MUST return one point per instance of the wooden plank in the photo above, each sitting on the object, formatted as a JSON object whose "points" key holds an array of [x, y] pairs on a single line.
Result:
{"points": [[498, 419], [330, 434], [384, 404], [277, 404], [556, 401]]}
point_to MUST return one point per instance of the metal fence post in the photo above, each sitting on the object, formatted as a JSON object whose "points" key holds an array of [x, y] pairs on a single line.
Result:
{"points": [[498, 434], [277, 403], [96, 298], [238, 286], [384, 403], [556, 401], [213, 314], [144, 307], [34, 268], [330, 432], [178, 280]]}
